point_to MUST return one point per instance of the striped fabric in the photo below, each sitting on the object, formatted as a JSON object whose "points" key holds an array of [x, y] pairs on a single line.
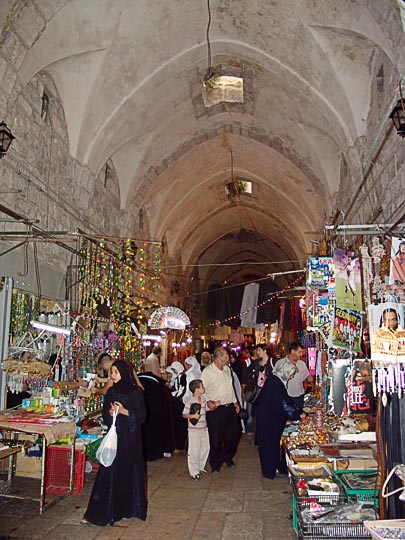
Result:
{"points": [[202, 422]]}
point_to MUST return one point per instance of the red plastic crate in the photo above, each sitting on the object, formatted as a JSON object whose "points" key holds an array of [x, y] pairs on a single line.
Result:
{"points": [[58, 470]]}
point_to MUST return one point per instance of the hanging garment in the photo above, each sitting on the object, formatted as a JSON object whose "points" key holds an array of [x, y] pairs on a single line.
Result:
{"points": [[249, 303]]}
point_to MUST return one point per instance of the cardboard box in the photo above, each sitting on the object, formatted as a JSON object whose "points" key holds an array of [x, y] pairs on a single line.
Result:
{"points": [[29, 467]]}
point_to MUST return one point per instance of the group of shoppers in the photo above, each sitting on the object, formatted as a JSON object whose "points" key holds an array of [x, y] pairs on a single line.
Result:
{"points": [[153, 418]]}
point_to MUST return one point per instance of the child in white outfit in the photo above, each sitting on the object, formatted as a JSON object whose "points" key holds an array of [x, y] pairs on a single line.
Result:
{"points": [[198, 441]]}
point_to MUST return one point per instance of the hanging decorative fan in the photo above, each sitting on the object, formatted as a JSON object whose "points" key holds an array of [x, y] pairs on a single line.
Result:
{"points": [[168, 317]]}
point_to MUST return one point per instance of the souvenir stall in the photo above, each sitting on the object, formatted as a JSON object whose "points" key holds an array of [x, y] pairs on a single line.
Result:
{"points": [[347, 461], [49, 362]]}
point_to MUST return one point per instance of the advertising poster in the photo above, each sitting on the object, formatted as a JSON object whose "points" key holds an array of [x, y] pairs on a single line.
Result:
{"points": [[321, 273], [397, 266], [322, 309], [346, 330], [348, 280], [389, 314], [352, 390]]}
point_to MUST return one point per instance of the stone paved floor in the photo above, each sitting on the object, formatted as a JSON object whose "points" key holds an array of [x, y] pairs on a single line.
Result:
{"points": [[237, 504]]}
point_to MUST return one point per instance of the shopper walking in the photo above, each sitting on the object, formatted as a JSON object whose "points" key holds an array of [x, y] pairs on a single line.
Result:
{"points": [[224, 426], [119, 491], [274, 408], [198, 439]]}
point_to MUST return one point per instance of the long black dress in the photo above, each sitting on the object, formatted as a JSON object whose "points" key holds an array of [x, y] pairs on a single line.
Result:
{"points": [[157, 431], [274, 408], [119, 491]]}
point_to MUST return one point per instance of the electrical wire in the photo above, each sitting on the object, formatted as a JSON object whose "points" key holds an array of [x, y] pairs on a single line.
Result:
{"points": [[242, 263], [208, 73], [37, 273]]}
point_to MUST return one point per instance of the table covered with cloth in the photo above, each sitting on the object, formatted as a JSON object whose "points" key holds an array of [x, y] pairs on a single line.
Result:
{"points": [[51, 427]]}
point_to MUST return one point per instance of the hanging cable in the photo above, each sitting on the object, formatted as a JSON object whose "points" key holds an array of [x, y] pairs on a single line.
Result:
{"points": [[209, 73], [37, 274]]}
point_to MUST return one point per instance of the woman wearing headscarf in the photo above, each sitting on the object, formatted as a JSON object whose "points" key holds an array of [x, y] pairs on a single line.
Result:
{"points": [[274, 408], [193, 372], [178, 380], [119, 491], [178, 386]]}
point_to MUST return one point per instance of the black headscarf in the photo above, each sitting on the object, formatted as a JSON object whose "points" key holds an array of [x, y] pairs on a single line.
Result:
{"points": [[126, 384]]}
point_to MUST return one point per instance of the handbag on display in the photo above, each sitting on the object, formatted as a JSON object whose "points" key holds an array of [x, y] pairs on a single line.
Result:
{"points": [[108, 448]]}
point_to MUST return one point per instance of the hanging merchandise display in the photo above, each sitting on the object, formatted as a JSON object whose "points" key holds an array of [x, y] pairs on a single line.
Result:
{"points": [[249, 303], [120, 280], [346, 330], [168, 317], [348, 279], [397, 266]]}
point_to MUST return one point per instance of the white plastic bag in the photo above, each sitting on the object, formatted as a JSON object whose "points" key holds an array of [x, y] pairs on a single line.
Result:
{"points": [[108, 448]]}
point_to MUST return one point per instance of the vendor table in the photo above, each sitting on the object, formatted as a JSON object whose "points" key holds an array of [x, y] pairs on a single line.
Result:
{"points": [[50, 429]]}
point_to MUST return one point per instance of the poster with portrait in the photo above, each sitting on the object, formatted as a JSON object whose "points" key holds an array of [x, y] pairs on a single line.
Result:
{"points": [[389, 314], [359, 394], [351, 387], [397, 265], [346, 330], [347, 279]]}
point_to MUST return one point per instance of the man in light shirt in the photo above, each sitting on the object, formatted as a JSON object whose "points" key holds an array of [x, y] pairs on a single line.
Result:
{"points": [[295, 386], [223, 421]]}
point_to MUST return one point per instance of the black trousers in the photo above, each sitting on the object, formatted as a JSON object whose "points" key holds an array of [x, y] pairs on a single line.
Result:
{"points": [[224, 429]]}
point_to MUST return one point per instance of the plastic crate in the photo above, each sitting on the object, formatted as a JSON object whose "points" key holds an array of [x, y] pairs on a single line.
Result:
{"points": [[331, 528], [346, 479], [302, 536], [58, 470], [323, 499]]}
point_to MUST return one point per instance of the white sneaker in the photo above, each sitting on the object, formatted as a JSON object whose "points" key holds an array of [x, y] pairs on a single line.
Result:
{"points": [[167, 454]]}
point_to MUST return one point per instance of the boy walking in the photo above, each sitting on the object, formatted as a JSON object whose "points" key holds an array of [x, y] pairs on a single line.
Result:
{"points": [[198, 440]]}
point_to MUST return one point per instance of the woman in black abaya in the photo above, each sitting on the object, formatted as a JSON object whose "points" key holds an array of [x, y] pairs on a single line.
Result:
{"points": [[119, 491], [274, 408], [157, 431]]}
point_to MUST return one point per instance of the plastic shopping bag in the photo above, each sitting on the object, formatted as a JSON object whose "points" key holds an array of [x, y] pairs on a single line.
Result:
{"points": [[108, 448]]}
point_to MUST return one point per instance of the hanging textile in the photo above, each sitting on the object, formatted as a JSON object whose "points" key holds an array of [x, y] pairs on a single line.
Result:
{"points": [[249, 303], [267, 313], [214, 300]]}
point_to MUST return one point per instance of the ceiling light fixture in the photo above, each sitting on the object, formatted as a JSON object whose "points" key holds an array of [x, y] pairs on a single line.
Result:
{"points": [[50, 328], [398, 114], [6, 138]]}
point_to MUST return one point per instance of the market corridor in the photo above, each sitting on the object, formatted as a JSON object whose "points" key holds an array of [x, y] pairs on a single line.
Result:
{"points": [[237, 504]]}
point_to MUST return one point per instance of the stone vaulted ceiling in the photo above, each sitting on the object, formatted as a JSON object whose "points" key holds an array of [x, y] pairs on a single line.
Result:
{"points": [[129, 72]]}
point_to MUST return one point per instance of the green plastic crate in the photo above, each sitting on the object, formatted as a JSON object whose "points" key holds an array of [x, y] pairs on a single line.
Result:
{"points": [[347, 480]]}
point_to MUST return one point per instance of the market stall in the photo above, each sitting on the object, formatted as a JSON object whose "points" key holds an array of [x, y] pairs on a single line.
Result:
{"points": [[49, 429]]}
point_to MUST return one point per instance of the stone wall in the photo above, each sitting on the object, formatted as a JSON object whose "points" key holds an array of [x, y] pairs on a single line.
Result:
{"points": [[38, 177]]}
